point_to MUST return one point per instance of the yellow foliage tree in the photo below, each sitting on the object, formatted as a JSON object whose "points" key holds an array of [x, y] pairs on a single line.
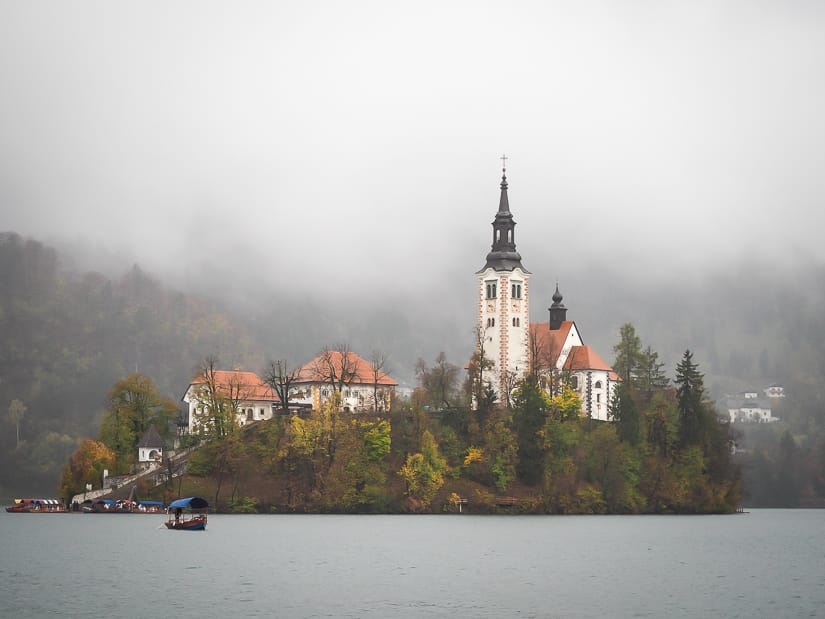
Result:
{"points": [[566, 404], [424, 471]]}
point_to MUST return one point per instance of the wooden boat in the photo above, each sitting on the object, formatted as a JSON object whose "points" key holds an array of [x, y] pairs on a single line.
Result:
{"points": [[182, 516], [36, 506]]}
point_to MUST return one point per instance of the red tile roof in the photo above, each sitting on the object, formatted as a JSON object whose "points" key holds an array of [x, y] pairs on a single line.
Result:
{"points": [[248, 385], [317, 370], [549, 342], [585, 358]]}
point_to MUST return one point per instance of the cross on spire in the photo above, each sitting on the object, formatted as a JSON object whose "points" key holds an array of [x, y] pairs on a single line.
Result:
{"points": [[503, 162]]}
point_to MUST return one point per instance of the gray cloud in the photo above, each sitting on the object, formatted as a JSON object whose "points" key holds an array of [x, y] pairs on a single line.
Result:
{"points": [[326, 145]]}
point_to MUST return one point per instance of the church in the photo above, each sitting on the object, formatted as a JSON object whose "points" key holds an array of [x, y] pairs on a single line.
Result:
{"points": [[513, 346]]}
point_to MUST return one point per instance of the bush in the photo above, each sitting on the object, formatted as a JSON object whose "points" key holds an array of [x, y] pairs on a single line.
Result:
{"points": [[199, 464], [244, 505]]}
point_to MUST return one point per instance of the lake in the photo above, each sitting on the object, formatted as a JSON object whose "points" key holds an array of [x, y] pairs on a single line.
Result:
{"points": [[766, 563]]}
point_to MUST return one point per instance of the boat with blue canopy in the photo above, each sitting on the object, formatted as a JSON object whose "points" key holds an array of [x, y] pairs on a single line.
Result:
{"points": [[188, 514]]}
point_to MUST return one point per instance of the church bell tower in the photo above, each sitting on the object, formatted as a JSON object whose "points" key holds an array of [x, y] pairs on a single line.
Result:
{"points": [[503, 303]]}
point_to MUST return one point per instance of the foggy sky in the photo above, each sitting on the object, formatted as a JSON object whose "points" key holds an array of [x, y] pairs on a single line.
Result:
{"points": [[327, 146]]}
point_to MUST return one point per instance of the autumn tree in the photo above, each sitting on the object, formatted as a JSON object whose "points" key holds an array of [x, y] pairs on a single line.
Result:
{"points": [[218, 400], [85, 466], [280, 376], [378, 371], [481, 392], [565, 405], [501, 449], [337, 367], [439, 382], [539, 361], [17, 410], [134, 404], [423, 471]]}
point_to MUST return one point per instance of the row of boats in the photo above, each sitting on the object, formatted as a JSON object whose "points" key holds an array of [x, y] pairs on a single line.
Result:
{"points": [[186, 514]]}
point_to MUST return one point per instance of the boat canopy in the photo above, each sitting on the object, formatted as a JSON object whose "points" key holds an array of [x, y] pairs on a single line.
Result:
{"points": [[192, 502], [36, 501], [151, 503]]}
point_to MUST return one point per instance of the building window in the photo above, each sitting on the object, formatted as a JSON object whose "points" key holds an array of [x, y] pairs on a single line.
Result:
{"points": [[515, 290], [574, 382], [598, 384], [516, 322], [598, 397], [491, 290]]}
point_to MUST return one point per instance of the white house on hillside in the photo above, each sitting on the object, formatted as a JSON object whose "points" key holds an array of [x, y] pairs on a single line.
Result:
{"points": [[749, 408], [362, 385], [253, 399], [774, 391]]}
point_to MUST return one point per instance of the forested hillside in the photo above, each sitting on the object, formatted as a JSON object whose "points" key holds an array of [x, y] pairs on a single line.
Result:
{"points": [[66, 338]]}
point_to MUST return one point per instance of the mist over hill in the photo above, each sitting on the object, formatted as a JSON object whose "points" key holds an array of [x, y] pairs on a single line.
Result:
{"points": [[70, 330]]}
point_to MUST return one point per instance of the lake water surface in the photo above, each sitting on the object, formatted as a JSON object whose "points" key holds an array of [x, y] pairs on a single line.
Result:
{"points": [[767, 563]]}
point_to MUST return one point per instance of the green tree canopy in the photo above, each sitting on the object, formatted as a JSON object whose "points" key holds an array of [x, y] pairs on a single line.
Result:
{"points": [[625, 413], [628, 352], [690, 393], [134, 404]]}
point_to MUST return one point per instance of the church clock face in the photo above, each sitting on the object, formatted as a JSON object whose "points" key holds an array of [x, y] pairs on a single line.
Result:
{"points": [[490, 307], [515, 306]]}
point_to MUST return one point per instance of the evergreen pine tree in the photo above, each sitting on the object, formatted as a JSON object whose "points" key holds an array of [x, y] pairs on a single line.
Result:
{"points": [[651, 377], [628, 354], [624, 411], [690, 393], [529, 413]]}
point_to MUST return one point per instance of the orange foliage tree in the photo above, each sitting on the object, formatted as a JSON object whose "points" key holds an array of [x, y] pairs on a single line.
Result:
{"points": [[85, 467]]}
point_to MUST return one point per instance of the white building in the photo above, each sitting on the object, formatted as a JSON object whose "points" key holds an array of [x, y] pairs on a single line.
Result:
{"points": [[503, 316], [774, 391], [150, 448], [251, 397], [510, 343], [749, 408], [363, 386], [560, 354]]}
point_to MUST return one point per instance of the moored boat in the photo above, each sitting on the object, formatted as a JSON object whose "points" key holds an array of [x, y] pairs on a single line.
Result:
{"points": [[183, 516], [36, 506]]}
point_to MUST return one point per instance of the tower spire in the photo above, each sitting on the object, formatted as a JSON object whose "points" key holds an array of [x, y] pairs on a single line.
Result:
{"points": [[558, 313], [503, 255]]}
